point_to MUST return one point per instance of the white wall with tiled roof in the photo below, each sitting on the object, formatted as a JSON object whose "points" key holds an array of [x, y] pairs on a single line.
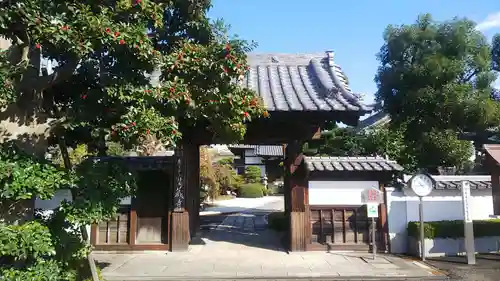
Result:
{"points": [[441, 204]]}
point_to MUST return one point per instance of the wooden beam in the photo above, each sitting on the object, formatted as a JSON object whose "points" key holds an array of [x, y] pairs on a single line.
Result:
{"points": [[132, 228], [295, 188], [383, 225]]}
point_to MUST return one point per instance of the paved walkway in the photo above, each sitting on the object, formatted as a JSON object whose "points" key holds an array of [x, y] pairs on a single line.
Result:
{"points": [[487, 267], [267, 203], [241, 246]]}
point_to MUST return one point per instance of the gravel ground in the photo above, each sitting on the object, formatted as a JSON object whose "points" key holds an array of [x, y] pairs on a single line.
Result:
{"points": [[487, 267]]}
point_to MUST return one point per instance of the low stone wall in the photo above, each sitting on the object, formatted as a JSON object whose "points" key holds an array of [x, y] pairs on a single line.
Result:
{"points": [[440, 247]]}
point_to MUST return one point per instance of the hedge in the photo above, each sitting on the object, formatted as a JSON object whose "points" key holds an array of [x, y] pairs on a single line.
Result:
{"points": [[251, 190], [278, 221], [454, 229]]}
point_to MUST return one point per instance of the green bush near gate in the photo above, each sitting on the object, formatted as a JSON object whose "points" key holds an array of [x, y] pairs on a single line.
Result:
{"points": [[454, 229], [252, 190], [272, 189], [278, 221]]}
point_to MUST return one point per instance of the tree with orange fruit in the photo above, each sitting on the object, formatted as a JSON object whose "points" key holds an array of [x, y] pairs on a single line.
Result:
{"points": [[128, 71]]}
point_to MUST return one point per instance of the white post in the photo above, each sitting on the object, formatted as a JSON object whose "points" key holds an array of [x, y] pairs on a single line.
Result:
{"points": [[468, 224]]}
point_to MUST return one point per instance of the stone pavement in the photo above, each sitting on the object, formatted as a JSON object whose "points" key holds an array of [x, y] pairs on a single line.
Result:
{"points": [[242, 247], [238, 205], [487, 267]]}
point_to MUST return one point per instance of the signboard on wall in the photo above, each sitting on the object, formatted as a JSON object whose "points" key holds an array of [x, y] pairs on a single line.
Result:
{"points": [[372, 210], [371, 195]]}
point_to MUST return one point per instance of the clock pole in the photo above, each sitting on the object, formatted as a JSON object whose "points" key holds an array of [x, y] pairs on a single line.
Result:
{"points": [[422, 185], [422, 233]]}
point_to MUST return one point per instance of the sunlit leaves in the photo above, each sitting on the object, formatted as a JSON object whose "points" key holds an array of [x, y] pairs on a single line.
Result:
{"points": [[436, 77], [22, 176]]}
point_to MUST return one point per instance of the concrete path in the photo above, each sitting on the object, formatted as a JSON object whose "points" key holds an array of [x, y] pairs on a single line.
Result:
{"points": [[240, 246], [267, 203], [487, 267]]}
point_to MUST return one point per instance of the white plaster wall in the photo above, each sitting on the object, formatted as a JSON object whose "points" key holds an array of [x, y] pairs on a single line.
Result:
{"points": [[338, 192], [402, 207], [251, 158]]}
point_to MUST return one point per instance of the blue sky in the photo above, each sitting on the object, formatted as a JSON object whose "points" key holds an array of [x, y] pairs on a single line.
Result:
{"points": [[353, 29]]}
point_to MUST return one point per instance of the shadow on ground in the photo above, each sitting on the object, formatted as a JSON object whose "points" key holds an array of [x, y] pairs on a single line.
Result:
{"points": [[248, 229]]}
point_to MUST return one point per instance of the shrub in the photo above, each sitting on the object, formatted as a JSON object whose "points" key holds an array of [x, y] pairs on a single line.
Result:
{"points": [[454, 229], [251, 190], [265, 192], [278, 221], [272, 189], [252, 174]]}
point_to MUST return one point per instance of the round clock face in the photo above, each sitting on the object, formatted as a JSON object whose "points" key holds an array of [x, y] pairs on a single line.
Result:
{"points": [[421, 184]]}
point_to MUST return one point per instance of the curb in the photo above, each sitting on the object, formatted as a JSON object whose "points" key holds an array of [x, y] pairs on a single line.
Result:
{"points": [[424, 264], [286, 278]]}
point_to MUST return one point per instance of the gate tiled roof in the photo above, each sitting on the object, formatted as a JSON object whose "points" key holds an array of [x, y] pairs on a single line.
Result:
{"points": [[261, 150], [301, 82], [454, 182], [351, 164]]}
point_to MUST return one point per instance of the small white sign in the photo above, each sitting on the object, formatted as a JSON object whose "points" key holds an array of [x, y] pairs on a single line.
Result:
{"points": [[466, 201], [372, 210]]}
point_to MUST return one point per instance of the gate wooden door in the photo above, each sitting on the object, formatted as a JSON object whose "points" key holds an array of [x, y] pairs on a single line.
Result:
{"points": [[152, 205], [341, 228]]}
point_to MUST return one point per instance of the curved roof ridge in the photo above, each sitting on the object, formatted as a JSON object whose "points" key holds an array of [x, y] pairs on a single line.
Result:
{"points": [[325, 78]]}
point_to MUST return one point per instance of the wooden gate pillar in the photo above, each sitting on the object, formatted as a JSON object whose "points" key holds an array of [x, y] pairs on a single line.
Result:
{"points": [[179, 216], [382, 221], [193, 186], [296, 200]]}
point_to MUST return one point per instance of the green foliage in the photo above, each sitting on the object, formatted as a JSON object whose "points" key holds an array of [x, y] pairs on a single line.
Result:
{"points": [[252, 174], [278, 221], [273, 189], [382, 141], [98, 188], [30, 248], [76, 155], [103, 92], [454, 229], [25, 241], [435, 80], [22, 176], [251, 190], [115, 149], [225, 161], [495, 52], [41, 270]]}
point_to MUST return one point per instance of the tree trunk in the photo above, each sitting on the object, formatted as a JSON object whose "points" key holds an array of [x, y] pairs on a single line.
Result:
{"points": [[83, 229]]}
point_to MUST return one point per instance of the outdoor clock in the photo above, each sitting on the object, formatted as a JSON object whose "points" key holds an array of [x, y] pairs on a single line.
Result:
{"points": [[421, 184]]}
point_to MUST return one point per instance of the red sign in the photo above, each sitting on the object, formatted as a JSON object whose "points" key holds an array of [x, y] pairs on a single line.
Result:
{"points": [[371, 195]]}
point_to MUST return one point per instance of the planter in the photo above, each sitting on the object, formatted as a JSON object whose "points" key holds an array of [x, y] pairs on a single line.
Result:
{"points": [[439, 247]]}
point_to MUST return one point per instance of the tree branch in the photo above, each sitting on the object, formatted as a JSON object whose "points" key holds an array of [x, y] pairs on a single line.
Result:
{"points": [[85, 236], [469, 77]]}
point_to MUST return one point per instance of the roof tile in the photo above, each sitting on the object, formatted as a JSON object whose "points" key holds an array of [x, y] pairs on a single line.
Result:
{"points": [[454, 182], [351, 164], [301, 82]]}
